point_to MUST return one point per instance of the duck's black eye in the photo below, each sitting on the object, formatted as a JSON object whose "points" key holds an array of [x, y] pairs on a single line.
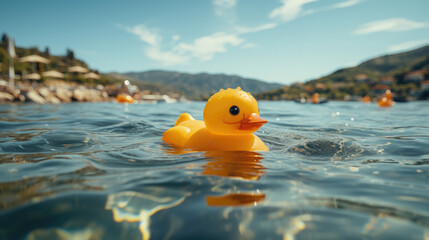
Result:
{"points": [[234, 110]]}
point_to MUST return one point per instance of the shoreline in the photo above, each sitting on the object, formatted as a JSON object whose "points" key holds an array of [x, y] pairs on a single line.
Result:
{"points": [[54, 93]]}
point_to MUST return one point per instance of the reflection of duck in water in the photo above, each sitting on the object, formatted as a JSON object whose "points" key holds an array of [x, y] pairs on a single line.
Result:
{"points": [[230, 118], [123, 96], [387, 100], [241, 165]]}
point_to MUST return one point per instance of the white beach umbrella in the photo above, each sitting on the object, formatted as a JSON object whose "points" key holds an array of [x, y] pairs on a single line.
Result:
{"points": [[53, 74], [33, 76], [91, 75], [34, 59], [78, 69]]}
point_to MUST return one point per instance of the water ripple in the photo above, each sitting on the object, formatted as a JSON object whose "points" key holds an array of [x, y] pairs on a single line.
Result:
{"points": [[102, 170]]}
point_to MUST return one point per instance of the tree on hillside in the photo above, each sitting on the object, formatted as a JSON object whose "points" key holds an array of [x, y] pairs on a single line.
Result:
{"points": [[4, 38], [70, 54], [47, 53]]}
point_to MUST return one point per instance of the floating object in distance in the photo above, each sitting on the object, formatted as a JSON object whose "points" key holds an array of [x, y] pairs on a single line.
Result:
{"points": [[366, 99], [124, 98], [230, 118], [315, 99], [386, 100]]}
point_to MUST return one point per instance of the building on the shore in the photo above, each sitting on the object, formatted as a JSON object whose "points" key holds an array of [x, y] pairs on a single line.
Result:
{"points": [[425, 85], [361, 78], [415, 76], [320, 86], [379, 89], [386, 80]]}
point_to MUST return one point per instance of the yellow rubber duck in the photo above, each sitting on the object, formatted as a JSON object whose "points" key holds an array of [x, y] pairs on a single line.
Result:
{"points": [[387, 100], [230, 118]]}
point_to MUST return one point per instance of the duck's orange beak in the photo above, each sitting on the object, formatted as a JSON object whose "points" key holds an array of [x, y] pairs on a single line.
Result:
{"points": [[253, 122]]}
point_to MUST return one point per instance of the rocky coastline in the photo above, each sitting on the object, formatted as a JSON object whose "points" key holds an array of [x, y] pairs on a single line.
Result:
{"points": [[55, 93]]}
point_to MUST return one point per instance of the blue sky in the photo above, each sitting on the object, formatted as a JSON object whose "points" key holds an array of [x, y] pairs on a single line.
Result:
{"points": [[282, 41]]}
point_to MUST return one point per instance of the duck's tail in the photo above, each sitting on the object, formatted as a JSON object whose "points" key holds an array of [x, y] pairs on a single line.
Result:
{"points": [[183, 117]]}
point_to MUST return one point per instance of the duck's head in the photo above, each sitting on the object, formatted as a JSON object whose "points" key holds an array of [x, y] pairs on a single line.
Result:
{"points": [[232, 111]]}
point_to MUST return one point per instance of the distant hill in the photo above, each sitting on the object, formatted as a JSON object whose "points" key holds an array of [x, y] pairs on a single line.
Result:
{"points": [[396, 65], [197, 86], [343, 82], [143, 86]]}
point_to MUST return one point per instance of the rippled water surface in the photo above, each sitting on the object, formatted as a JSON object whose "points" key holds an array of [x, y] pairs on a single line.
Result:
{"points": [[339, 170]]}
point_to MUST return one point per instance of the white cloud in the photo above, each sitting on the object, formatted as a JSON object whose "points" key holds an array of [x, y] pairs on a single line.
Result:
{"points": [[255, 29], [407, 45], [167, 58], [389, 25], [345, 4], [148, 36], [248, 45], [205, 47], [289, 10], [176, 38], [222, 6], [225, 3]]}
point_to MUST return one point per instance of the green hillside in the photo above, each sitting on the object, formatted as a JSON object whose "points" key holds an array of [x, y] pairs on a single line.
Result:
{"points": [[343, 82], [396, 65], [199, 86]]}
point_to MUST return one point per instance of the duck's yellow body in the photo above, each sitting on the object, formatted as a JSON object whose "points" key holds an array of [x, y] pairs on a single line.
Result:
{"points": [[230, 118]]}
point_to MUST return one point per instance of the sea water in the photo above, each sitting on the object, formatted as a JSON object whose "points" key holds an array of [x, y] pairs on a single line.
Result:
{"points": [[340, 170]]}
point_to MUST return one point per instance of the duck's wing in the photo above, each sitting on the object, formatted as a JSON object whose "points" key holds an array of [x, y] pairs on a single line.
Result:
{"points": [[176, 136], [183, 117]]}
